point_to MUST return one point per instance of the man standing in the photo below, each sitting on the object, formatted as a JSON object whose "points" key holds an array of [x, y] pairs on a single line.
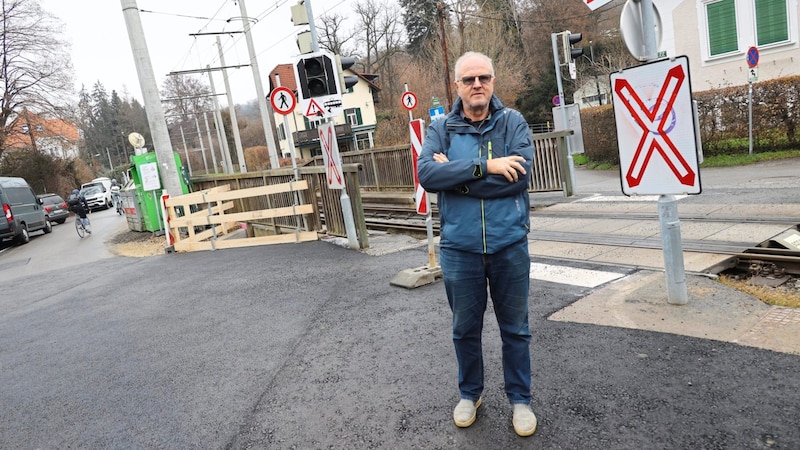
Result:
{"points": [[475, 160]]}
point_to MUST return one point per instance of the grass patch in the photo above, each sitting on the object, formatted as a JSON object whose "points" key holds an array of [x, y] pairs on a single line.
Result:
{"points": [[746, 158], [778, 296]]}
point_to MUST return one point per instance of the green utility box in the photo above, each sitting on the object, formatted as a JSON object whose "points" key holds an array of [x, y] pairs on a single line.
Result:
{"points": [[147, 187]]}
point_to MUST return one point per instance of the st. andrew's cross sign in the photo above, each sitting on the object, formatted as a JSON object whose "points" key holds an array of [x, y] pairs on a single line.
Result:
{"points": [[655, 128]]}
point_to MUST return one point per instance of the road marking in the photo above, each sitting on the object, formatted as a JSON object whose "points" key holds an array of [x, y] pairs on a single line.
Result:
{"points": [[625, 198], [571, 275]]}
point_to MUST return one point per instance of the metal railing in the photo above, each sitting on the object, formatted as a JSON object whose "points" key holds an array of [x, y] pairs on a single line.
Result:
{"points": [[391, 169]]}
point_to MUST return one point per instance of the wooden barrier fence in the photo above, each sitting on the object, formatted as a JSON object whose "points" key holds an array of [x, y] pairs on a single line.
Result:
{"points": [[201, 220]]}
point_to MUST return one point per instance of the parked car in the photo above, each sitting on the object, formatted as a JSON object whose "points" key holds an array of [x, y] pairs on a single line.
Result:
{"points": [[22, 210], [55, 208], [95, 197]]}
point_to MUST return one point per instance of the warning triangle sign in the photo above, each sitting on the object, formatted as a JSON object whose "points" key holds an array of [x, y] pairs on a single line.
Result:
{"points": [[314, 109]]}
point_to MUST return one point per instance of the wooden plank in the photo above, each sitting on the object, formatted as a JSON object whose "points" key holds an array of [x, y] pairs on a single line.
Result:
{"points": [[257, 191], [201, 217], [305, 236], [242, 216], [207, 233], [196, 197]]}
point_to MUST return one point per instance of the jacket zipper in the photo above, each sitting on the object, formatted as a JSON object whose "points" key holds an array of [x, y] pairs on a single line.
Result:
{"points": [[483, 212]]}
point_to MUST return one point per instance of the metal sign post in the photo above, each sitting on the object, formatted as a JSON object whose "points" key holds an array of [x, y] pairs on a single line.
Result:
{"points": [[752, 63], [656, 129]]}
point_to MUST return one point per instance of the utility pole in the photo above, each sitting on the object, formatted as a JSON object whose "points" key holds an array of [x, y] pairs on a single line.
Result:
{"points": [[237, 140], [152, 101], [447, 89], [262, 99], [222, 137], [344, 199]]}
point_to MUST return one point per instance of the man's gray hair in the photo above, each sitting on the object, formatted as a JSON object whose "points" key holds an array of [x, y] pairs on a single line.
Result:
{"points": [[468, 55]]}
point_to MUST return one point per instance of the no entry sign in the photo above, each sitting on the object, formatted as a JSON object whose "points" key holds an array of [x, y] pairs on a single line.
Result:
{"points": [[655, 129]]}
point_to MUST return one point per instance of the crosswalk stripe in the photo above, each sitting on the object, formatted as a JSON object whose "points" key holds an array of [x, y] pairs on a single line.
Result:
{"points": [[571, 275]]}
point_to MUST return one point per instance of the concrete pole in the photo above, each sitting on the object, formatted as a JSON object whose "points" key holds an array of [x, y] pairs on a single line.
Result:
{"points": [[210, 143], [200, 138], [162, 146], [237, 141], [221, 136], [186, 152], [667, 204], [262, 99]]}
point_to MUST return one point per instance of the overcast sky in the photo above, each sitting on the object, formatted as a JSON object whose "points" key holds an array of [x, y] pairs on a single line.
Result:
{"points": [[101, 47]]}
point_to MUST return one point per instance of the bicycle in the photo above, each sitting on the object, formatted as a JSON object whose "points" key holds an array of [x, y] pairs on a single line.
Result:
{"points": [[117, 203], [82, 229]]}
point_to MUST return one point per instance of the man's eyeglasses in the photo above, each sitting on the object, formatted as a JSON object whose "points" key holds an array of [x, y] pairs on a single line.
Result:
{"points": [[469, 81]]}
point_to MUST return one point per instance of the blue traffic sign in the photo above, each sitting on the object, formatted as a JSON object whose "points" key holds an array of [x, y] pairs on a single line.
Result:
{"points": [[437, 112], [752, 57]]}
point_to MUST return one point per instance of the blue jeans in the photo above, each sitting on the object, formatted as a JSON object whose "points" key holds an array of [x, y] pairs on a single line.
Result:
{"points": [[465, 280]]}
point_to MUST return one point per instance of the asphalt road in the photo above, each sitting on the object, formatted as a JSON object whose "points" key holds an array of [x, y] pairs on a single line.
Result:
{"points": [[62, 248], [308, 346]]}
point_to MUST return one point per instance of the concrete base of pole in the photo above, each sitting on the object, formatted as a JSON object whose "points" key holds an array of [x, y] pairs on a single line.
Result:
{"points": [[416, 277], [673, 250], [349, 221]]}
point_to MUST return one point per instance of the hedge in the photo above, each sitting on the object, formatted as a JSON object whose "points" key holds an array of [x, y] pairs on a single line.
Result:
{"points": [[724, 121]]}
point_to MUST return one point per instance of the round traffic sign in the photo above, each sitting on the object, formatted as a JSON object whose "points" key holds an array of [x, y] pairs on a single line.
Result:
{"points": [[557, 100], [282, 100], [752, 57], [409, 100]]}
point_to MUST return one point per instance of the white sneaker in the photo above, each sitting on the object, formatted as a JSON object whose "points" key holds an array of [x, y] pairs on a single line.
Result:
{"points": [[524, 420], [465, 412]]}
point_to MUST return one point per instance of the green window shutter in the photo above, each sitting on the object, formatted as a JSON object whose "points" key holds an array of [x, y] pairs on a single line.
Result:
{"points": [[722, 36], [771, 21], [358, 117]]}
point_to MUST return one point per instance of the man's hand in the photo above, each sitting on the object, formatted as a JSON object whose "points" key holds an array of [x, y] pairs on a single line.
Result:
{"points": [[507, 166], [440, 157]]}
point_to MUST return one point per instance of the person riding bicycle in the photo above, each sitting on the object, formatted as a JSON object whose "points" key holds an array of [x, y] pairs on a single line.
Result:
{"points": [[115, 188], [77, 204]]}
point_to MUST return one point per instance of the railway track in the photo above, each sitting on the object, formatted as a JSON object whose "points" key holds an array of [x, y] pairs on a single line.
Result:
{"points": [[404, 219]]}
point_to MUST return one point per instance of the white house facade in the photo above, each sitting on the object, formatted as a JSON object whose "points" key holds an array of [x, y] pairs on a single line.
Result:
{"points": [[716, 35]]}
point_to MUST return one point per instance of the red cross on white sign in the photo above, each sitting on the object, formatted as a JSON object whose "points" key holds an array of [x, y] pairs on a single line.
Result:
{"points": [[420, 195], [330, 156], [654, 117]]}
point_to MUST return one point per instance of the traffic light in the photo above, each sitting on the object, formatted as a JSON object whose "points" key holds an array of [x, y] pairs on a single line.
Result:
{"points": [[568, 40], [346, 81], [316, 75]]}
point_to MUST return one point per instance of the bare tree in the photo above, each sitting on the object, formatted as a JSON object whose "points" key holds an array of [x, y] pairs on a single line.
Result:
{"points": [[35, 71], [332, 36]]}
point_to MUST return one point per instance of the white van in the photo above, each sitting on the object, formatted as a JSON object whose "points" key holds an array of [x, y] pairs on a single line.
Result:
{"points": [[105, 186], [23, 211]]}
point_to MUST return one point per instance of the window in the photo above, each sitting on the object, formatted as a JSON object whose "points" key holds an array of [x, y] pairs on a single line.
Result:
{"points": [[312, 124], [353, 116], [26, 129], [281, 133], [771, 21], [722, 33]]}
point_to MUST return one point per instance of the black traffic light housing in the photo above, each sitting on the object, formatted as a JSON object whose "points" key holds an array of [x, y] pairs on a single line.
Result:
{"points": [[317, 76], [571, 53], [346, 81]]}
